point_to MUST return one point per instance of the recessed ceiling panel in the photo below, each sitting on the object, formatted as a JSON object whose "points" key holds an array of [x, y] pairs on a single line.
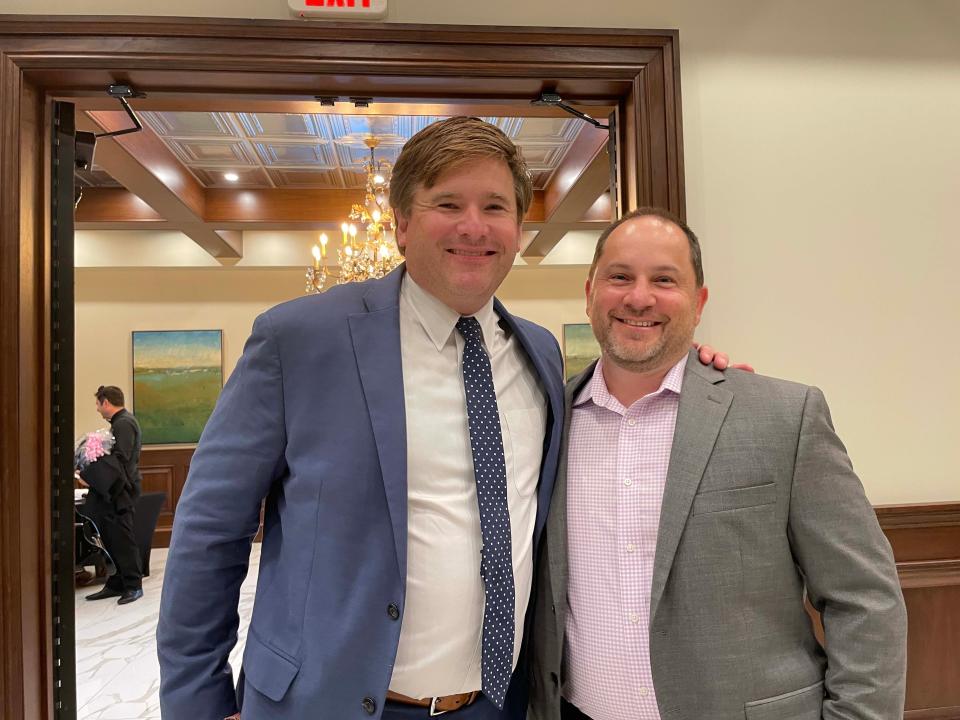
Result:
{"points": [[290, 154], [300, 178], [550, 130], [280, 126], [543, 156], [190, 124], [352, 155], [206, 153]]}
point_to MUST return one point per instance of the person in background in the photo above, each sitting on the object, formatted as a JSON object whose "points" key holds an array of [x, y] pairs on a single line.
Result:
{"points": [[113, 510], [693, 512]]}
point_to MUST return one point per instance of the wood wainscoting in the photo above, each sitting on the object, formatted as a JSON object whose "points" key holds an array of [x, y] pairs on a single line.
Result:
{"points": [[926, 545], [165, 470]]}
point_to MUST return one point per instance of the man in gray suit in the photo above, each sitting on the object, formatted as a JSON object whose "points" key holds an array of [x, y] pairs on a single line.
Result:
{"points": [[693, 511]]}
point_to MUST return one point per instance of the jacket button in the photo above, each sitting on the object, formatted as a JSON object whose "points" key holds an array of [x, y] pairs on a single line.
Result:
{"points": [[393, 611], [369, 705], [555, 678]]}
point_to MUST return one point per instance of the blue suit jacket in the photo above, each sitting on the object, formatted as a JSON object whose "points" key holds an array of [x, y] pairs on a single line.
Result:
{"points": [[313, 420]]}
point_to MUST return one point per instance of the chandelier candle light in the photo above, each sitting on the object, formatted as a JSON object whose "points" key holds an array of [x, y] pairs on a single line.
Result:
{"points": [[370, 256]]}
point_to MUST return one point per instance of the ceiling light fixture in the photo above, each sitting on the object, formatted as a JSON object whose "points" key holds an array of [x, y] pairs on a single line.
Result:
{"points": [[372, 254], [231, 177]]}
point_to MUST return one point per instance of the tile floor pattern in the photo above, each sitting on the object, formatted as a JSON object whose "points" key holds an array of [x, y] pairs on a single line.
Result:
{"points": [[117, 670]]}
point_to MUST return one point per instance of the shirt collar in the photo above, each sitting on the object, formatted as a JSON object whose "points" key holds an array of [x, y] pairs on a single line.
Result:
{"points": [[439, 320], [596, 387]]}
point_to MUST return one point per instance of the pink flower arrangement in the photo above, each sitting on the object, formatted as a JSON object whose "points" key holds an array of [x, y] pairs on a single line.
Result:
{"points": [[91, 447]]}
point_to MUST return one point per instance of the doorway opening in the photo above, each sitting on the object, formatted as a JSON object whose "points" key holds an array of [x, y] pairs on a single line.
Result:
{"points": [[240, 77]]}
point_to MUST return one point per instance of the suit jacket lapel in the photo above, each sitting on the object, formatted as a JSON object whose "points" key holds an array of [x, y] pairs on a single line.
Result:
{"points": [[553, 385], [376, 345], [557, 518], [703, 406]]}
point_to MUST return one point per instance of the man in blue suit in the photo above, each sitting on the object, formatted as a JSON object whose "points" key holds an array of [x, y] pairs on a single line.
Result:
{"points": [[347, 414]]}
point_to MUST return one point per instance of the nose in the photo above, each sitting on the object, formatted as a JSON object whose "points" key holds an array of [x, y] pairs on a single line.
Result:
{"points": [[641, 295], [471, 224]]}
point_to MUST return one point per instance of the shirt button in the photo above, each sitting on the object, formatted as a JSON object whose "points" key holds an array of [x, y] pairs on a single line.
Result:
{"points": [[631, 547], [631, 422], [628, 482], [634, 618], [643, 692]]}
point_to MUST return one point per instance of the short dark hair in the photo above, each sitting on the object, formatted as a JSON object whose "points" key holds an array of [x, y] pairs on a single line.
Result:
{"points": [[111, 393], [695, 256]]}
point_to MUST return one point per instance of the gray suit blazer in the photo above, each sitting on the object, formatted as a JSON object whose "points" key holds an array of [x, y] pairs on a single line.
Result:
{"points": [[761, 504]]}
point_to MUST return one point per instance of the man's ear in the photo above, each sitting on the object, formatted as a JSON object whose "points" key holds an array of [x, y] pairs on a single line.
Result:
{"points": [[401, 230], [701, 301]]}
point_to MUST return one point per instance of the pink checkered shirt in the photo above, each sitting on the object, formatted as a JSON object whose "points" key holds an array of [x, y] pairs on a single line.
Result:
{"points": [[616, 472]]}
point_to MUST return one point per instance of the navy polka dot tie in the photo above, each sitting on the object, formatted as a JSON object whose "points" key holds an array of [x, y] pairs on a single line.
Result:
{"points": [[489, 468]]}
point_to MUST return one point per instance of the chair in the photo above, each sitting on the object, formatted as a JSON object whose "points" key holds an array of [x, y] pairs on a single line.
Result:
{"points": [[146, 512]]}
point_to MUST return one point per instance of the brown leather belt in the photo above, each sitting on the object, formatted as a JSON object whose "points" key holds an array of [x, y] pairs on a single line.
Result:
{"points": [[437, 705]]}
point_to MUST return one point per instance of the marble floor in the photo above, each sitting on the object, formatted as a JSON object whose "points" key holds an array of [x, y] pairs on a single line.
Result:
{"points": [[117, 670]]}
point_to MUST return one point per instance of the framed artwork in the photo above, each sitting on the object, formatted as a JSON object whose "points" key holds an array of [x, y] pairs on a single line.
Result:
{"points": [[580, 348], [177, 377]]}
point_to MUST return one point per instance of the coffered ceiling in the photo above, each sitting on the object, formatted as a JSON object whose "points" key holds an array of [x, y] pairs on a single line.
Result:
{"points": [[302, 170]]}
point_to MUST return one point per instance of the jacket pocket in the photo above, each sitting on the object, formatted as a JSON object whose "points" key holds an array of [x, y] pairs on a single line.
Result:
{"points": [[803, 704], [267, 670], [734, 499]]}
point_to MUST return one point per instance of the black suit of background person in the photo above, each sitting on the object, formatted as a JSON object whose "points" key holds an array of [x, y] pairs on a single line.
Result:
{"points": [[114, 515]]}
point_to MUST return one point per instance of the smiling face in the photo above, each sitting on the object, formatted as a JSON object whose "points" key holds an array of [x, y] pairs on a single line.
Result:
{"points": [[643, 300], [461, 234]]}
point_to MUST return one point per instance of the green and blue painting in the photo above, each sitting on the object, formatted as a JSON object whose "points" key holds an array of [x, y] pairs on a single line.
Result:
{"points": [[580, 348], [177, 377]]}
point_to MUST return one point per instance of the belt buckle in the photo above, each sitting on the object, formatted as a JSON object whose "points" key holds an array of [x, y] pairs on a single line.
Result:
{"points": [[433, 708]]}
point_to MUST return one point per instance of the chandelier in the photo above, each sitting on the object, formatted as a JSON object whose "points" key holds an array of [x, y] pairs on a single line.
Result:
{"points": [[360, 257]]}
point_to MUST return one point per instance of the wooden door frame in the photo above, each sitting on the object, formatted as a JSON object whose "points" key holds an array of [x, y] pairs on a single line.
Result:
{"points": [[42, 58]]}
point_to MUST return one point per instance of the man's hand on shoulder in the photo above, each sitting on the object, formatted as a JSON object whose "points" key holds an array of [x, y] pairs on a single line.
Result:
{"points": [[720, 360]]}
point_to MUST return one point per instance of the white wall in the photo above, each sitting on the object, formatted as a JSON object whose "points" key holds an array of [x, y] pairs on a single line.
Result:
{"points": [[821, 145]]}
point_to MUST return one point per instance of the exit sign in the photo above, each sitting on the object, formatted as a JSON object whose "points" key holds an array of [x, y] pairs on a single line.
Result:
{"points": [[355, 9]]}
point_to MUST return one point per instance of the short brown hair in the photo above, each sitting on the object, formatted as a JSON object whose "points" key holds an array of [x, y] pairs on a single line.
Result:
{"points": [[111, 393], [448, 143], [695, 255]]}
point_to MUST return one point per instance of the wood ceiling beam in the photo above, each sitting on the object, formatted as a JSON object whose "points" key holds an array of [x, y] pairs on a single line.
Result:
{"points": [[114, 205], [143, 164], [574, 192]]}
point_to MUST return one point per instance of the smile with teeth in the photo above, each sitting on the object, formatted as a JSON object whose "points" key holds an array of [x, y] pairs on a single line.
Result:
{"points": [[638, 323], [470, 253]]}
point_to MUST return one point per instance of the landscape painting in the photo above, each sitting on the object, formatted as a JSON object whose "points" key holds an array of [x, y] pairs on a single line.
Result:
{"points": [[580, 348], [177, 377]]}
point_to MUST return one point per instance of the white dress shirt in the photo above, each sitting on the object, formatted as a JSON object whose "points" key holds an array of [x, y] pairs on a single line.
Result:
{"points": [[440, 640]]}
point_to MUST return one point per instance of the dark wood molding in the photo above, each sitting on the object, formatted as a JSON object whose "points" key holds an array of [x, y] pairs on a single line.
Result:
{"points": [[26, 669], [913, 515], [165, 469], [926, 545], [942, 713], [929, 573], [635, 72]]}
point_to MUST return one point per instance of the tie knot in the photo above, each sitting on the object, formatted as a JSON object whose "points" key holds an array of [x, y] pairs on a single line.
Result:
{"points": [[469, 327]]}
